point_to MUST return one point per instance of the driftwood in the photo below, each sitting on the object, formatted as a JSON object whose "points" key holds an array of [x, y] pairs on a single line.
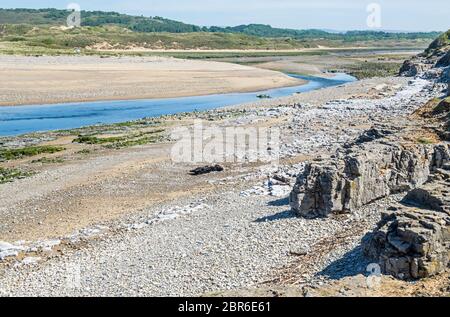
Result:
{"points": [[206, 170]]}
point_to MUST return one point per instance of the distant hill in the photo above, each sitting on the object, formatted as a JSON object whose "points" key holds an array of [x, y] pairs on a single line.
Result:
{"points": [[95, 18], [268, 31], [159, 24]]}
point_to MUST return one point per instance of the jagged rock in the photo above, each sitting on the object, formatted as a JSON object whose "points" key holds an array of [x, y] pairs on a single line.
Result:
{"points": [[442, 113], [429, 64], [414, 241], [412, 68], [444, 61], [369, 172], [445, 78]]}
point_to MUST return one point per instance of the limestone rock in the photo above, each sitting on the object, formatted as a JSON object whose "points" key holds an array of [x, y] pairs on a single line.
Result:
{"points": [[366, 173], [414, 241], [429, 64], [412, 68]]}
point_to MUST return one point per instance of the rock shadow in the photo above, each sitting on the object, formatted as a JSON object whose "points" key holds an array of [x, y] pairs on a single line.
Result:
{"points": [[279, 202], [287, 214], [351, 264]]}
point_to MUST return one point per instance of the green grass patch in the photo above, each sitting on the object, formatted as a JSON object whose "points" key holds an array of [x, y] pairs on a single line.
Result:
{"points": [[122, 141], [373, 69], [13, 154], [134, 142], [84, 152], [10, 174], [89, 139], [424, 141], [47, 160]]}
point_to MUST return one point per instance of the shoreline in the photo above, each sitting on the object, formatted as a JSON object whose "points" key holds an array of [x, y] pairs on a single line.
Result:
{"points": [[162, 97]]}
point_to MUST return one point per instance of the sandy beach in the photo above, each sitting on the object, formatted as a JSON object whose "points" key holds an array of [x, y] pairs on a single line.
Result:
{"points": [[26, 80]]}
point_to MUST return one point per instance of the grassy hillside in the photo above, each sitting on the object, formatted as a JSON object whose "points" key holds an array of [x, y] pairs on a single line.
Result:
{"points": [[443, 41], [28, 31], [158, 24], [95, 18], [114, 37]]}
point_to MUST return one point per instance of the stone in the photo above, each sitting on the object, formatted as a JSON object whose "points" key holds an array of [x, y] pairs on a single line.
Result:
{"points": [[414, 241], [367, 172], [412, 68]]}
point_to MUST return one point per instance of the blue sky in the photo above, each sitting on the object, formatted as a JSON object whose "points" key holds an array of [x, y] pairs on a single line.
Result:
{"points": [[412, 15]]}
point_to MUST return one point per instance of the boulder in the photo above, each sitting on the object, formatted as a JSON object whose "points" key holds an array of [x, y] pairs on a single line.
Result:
{"points": [[413, 241], [367, 172], [412, 68]]}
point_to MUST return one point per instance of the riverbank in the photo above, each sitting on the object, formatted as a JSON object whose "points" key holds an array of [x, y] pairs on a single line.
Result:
{"points": [[28, 80]]}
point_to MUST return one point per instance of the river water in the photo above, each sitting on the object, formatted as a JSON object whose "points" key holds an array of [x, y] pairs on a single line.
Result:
{"points": [[18, 120]]}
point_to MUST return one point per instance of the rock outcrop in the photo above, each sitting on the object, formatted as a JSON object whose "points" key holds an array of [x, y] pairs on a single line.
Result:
{"points": [[444, 61], [416, 67], [367, 171], [431, 62], [413, 241], [445, 78], [437, 112]]}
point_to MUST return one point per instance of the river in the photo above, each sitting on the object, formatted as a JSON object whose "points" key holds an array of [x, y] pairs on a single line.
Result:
{"points": [[18, 120]]}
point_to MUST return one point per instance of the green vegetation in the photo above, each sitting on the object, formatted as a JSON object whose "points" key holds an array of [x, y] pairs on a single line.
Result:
{"points": [[89, 139], [159, 24], [424, 141], [134, 142], [46, 160], [442, 41], [13, 154], [96, 18], [84, 151], [369, 69], [41, 31], [44, 39], [350, 36], [117, 142], [9, 174]]}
